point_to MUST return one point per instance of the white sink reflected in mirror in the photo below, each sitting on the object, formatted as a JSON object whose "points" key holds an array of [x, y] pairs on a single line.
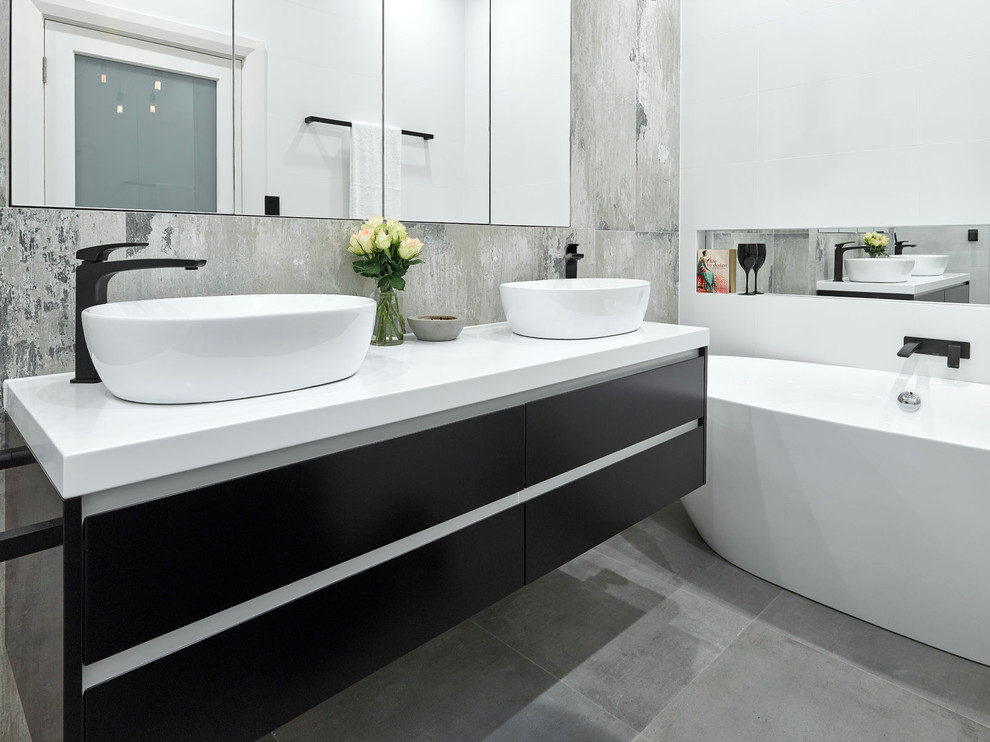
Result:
{"points": [[575, 308], [929, 265], [214, 348], [878, 270]]}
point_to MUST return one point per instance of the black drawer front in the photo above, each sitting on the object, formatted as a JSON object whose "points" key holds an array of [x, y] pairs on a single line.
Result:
{"points": [[568, 521], [158, 566], [571, 429], [242, 683]]}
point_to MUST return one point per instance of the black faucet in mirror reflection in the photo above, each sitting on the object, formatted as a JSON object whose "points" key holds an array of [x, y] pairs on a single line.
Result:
{"points": [[840, 250], [752, 256], [899, 245], [92, 276]]}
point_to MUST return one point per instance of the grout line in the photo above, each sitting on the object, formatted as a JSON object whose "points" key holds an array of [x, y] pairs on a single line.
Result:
{"points": [[699, 675], [557, 679], [882, 678]]}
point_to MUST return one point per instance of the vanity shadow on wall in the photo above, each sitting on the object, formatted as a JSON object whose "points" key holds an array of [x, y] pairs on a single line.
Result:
{"points": [[138, 105]]}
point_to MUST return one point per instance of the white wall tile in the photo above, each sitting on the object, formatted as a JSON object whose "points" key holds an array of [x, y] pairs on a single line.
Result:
{"points": [[720, 196], [845, 114], [719, 67], [839, 40], [824, 159], [720, 132], [873, 187], [953, 28], [953, 99], [954, 182]]}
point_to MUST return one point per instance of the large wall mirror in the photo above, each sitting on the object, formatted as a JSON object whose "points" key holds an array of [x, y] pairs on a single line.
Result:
{"points": [[424, 110], [944, 263]]}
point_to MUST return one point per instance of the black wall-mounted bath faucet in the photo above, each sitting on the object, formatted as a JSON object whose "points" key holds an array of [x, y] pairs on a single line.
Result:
{"points": [[92, 276], [954, 350], [571, 257]]}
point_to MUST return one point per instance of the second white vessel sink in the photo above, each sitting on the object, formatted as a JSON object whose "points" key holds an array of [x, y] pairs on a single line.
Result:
{"points": [[214, 348], [879, 270], [929, 265], [575, 308]]}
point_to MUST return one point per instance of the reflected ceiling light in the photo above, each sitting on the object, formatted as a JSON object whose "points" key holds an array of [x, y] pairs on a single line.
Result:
{"points": [[103, 77], [158, 84], [151, 104], [120, 102]]}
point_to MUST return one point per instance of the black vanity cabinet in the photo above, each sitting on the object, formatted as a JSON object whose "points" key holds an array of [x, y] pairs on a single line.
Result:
{"points": [[569, 430], [554, 476]]}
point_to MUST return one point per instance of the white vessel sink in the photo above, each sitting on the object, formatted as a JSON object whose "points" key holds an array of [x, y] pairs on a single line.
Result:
{"points": [[575, 308], [212, 348], [879, 270], [929, 265]]}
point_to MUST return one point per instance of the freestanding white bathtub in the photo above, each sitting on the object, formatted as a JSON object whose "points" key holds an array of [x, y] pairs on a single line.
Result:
{"points": [[820, 483]]}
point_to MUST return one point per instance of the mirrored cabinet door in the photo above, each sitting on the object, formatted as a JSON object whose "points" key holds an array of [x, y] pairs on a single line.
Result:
{"points": [[310, 108], [437, 110], [423, 110], [123, 105], [531, 112]]}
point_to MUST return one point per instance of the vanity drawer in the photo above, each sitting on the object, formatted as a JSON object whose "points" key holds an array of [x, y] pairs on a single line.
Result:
{"points": [[154, 567], [242, 683], [571, 429], [569, 520]]}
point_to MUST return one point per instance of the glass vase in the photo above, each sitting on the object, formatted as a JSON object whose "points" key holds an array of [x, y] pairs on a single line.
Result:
{"points": [[388, 326]]}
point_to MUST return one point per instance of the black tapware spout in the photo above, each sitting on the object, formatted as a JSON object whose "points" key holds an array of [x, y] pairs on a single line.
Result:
{"points": [[92, 276]]}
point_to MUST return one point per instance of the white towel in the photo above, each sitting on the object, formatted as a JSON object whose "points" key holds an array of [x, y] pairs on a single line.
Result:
{"points": [[366, 171]]}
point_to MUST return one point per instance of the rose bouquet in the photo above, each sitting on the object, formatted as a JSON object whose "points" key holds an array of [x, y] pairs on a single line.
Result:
{"points": [[386, 253], [875, 244]]}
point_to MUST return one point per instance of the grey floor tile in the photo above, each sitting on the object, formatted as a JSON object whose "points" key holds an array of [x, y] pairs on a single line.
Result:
{"points": [[464, 685], [626, 640], [954, 682], [667, 545], [768, 687]]}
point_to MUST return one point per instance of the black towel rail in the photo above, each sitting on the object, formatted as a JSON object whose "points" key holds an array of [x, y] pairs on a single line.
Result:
{"points": [[338, 122], [20, 542]]}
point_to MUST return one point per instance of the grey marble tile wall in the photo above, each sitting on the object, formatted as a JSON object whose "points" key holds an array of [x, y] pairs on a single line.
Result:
{"points": [[624, 204]]}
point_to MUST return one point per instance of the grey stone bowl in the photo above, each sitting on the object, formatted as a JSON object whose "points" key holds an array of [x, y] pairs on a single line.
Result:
{"points": [[436, 327]]}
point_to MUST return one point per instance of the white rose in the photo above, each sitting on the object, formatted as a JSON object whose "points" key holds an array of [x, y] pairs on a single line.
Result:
{"points": [[355, 246], [373, 223], [383, 241], [409, 248], [364, 241]]}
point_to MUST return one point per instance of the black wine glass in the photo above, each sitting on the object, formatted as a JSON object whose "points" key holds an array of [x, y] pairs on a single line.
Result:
{"points": [[761, 258], [746, 255]]}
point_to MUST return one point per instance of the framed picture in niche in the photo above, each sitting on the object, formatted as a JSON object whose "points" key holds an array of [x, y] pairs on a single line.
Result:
{"points": [[716, 271]]}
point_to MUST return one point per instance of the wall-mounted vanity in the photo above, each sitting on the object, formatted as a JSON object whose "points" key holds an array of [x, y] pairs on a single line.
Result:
{"points": [[297, 109], [227, 566]]}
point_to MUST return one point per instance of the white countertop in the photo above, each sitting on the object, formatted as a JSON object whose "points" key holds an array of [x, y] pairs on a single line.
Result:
{"points": [[88, 441], [913, 286]]}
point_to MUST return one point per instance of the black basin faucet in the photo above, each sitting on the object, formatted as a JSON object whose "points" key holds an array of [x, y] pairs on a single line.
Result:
{"points": [[843, 247], [571, 257], [92, 276]]}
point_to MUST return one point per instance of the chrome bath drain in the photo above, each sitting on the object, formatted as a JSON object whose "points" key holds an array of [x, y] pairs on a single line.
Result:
{"points": [[909, 401]]}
